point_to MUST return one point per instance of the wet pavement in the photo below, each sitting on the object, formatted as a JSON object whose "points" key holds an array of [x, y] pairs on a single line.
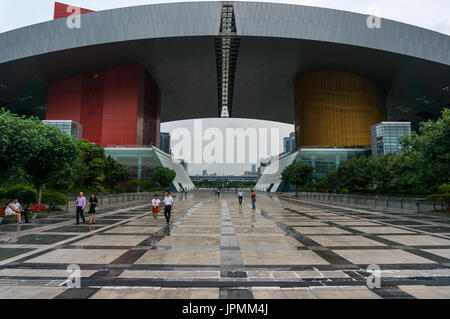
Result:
{"points": [[216, 248]]}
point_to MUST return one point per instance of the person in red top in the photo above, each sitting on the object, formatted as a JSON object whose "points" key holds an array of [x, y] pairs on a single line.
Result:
{"points": [[253, 199]]}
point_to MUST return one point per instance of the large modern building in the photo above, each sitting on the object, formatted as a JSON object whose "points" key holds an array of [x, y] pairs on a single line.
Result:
{"points": [[121, 72], [70, 127], [386, 137]]}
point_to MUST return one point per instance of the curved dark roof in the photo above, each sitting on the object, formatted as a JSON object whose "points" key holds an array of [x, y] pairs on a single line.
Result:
{"points": [[175, 42]]}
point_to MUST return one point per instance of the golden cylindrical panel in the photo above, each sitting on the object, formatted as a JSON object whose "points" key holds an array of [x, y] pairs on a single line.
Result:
{"points": [[336, 109]]}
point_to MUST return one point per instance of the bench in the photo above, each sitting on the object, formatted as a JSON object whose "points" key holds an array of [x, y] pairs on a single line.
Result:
{"points": [[3, 215], [38, 208]]}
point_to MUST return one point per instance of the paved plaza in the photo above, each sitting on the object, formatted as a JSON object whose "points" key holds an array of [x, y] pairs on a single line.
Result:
{"points": [[215, 248]]}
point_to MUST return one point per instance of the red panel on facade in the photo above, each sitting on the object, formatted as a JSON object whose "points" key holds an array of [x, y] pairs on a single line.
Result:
{"points": [[121, 105], [151, 113], [64, 100], [92, 106], [117, 106], [61, 10]]}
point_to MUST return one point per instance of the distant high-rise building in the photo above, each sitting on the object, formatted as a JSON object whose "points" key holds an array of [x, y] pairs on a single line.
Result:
{"points": [[385, 136], [70, 127], [286, 145], [165, 142], [289, 143], [292, 139], [205, 172], [253, 168]]}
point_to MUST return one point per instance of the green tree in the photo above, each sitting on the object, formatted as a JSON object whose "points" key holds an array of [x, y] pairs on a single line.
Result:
{"points": [[28, 144], [20, 140], [430, 149], [25, 194], [163, 176], [58, 149], [70, 177], [114, 173], [330, 183], [383, 173], [298, 174], [322, 185], [92, 165], [332, 180], [17, 176], [355, 174], [407, 175], [53, 198], [91, 169]]}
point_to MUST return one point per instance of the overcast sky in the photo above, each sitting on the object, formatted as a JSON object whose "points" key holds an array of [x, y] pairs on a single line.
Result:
{"points": [[282, 130], [430, 14]]}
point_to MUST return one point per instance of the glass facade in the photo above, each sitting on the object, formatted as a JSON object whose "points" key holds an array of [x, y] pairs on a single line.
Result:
{"points": [[385, 137], [320, 158], [324, 158], [142, 161], [165, 142], [70, 127]]}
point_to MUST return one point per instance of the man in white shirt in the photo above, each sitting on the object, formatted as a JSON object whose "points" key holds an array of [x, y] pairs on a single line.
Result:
{"points": [[168, 204], [240, 194]]}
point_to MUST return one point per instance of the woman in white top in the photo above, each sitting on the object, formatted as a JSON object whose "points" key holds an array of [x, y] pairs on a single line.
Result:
{"points": [[155, 206], [11, 211]]}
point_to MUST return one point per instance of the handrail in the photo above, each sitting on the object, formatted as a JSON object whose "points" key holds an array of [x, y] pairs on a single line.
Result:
{"points": [[415, 204]]}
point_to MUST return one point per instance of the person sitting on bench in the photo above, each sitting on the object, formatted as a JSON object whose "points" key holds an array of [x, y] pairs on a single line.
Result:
{"points": [[20, 209], [11, 211]]}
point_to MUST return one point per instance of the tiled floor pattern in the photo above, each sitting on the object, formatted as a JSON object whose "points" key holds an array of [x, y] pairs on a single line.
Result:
{"points": [[216, 248]]}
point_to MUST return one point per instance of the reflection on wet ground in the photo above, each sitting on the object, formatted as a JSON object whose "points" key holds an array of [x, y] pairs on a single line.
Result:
{"points": [[216, 248]]}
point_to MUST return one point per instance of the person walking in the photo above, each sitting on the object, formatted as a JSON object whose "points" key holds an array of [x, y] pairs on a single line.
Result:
{"points": [[11, 211], [155, 207], [240, 195], [81, 204], [168, 205], [218, 192], [93, 207], [253, 199]]}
